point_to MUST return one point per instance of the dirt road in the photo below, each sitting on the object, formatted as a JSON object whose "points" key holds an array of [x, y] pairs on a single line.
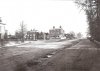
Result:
{"points": [[47, 56], [85, 56], [26, 57]]}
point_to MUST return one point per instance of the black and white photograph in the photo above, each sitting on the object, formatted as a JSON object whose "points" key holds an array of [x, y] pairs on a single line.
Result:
{"points": [[49, 35]]}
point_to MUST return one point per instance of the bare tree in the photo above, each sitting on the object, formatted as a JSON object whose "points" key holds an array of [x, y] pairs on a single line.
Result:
{"points": [[22, 31]]}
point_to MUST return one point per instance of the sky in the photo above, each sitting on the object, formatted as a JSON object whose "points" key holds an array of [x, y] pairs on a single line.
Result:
{"points": [[42, 15]]}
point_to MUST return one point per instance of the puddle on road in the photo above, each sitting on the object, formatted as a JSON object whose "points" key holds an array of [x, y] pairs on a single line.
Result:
{"points": [[49, 56]]}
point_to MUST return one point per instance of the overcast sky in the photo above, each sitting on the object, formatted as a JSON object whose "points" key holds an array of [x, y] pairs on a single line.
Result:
{"points": [[42, 15]]}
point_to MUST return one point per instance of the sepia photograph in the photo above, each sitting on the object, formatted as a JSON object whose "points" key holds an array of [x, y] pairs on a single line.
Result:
{"points": [[49, 35]]}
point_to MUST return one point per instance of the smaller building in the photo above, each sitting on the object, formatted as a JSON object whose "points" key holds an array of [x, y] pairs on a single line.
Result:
{"points": [[56, 33], [31, 35]]}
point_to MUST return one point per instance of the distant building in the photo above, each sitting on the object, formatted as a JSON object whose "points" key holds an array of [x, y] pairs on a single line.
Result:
{"points": [[35, 35], [31, 35], [56, 33]]}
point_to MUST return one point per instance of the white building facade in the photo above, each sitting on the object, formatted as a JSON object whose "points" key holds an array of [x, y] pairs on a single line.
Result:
{"points": [[56, 33], [2, 30]]}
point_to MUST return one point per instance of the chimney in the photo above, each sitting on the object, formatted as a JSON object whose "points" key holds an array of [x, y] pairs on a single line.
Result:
{"points": [[60, 27], [53, 27], [0, 19]]}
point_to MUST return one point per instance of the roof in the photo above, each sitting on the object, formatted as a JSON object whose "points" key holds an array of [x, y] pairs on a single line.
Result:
{"points": [[56, 29]]}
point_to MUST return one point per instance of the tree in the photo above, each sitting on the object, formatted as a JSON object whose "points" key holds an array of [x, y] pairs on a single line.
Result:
{"points": [[22, 31], [92, 9], [79, 35], [72, 34], [17, 35]]}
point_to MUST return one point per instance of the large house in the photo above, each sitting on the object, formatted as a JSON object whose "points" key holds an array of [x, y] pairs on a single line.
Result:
{"points": [[56, 33], [35, 35]]}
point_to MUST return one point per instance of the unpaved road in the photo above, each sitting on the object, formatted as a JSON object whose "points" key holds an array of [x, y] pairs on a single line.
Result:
{"points": [[26, 57], [85, 56], [47, 56]]}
